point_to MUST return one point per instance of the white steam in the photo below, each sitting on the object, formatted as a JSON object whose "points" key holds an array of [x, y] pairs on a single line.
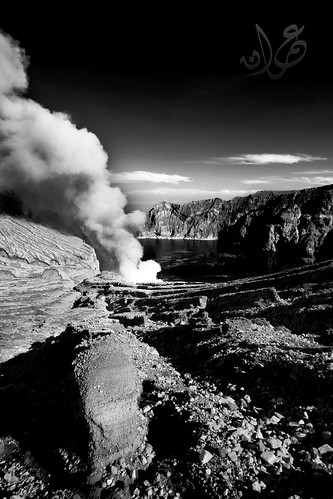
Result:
{"points": [[56, 168]]}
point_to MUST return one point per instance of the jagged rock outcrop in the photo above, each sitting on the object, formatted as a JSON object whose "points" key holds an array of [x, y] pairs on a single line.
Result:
{"points": [[197, 219], [281, 225]]}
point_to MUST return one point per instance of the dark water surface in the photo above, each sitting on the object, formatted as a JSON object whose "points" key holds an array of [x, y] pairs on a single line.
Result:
{"points": [[191, 260]]}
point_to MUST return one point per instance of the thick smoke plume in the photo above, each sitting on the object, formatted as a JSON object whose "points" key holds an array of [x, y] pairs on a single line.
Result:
{"points": [[57, 168]]}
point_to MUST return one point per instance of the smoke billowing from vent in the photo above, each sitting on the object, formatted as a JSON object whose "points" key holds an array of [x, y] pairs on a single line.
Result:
{"points": [[56, 168]]}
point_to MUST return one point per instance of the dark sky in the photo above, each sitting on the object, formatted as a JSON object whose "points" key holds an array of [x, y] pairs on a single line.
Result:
{"points": [[164, 90]]}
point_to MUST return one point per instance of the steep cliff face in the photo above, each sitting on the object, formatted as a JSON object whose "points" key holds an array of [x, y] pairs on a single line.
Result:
{"points": [[197, 219], [288, 224], [29, 249], [38, 269]]}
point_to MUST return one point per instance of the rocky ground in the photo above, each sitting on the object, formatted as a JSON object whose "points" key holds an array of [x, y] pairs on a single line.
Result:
{"points": [[228, 393]]}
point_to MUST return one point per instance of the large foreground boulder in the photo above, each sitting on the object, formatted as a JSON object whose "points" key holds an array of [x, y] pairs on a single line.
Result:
{"points": [[72, 401], [105, 375]]}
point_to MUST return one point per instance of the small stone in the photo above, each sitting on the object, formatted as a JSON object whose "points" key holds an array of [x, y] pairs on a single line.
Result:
{"points": [[262, 446], [208, 471], [259, 434], [10, 478], [300, 435], [325, 449], [256, 486], [205, 456], [149, 449], [268, 457], [276, 418], [274, 443], [232, 456], [326, 435], [222, 452]]}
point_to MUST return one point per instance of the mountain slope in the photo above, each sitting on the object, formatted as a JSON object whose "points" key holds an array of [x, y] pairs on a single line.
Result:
{"points": [[293, 224]]}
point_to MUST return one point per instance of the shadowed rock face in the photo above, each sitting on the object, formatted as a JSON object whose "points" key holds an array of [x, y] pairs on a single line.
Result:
{"points": [[285, 225]]}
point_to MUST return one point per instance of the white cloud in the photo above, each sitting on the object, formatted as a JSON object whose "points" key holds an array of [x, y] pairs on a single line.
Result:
{"points": [[255, 181], [259, 159], [313, 180], [144, 176], [191, 193], [314, 172], [266, 159], [237, 192]]}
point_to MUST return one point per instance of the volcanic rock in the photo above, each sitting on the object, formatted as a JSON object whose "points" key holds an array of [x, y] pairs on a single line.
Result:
{"points": [[38, 268], [107, 384], [29, 249], [279, 225]]}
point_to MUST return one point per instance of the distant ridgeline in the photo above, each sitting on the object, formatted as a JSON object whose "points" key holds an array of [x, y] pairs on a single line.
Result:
{"points": [[288, 225]]}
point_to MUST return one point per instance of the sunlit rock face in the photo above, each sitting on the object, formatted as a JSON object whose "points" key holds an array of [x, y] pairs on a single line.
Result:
{"points": [[29, 249], [288, 225], [38, 268]]}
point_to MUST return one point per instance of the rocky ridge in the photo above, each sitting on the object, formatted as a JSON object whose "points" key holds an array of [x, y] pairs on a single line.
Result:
{"points": [[279, 225]]}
